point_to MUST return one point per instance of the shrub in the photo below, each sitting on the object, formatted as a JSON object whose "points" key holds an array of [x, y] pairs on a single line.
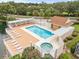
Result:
{"points": [[16, 57], [2, 17], [69, 38], [47, 56], [3, 25], [65, 40], [64, 56], [72, 50], [77, 31], [74, 34], [10, 18]]}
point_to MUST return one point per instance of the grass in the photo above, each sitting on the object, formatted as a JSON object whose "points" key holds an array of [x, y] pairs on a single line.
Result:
{"points": [[19, 16], [76, 26], [73, 42], [23, 16], [76, 39], [66, 56]]}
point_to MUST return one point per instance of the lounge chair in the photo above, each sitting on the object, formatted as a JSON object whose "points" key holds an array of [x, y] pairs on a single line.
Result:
{"points": [[15, 43], [17, 46]]}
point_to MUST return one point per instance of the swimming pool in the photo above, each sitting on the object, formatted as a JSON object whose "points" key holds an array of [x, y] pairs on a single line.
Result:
{"points": [[40, 31], [46, 46]]}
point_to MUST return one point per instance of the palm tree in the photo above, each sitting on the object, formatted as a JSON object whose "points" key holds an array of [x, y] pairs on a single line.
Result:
{"points": [[31, 53]]}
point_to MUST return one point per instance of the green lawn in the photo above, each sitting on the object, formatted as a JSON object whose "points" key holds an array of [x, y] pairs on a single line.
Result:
{"points": [[76, 27], [66, 56], [23, 16], [73, 42], [19, 16], [76, 39], [70, 45]]}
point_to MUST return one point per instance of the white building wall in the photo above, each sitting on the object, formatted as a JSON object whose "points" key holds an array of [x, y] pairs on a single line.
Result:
{"points": [[64, 32]]}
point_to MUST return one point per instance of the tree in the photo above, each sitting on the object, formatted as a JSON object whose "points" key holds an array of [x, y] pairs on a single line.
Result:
{"points": [[3, 22], [35, 13], [70, 8], [16, 57], [41, 13], [31, 53]]}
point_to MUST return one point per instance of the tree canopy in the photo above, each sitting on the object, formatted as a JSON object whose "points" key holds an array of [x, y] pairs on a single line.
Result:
{"points": [[70, 8], [31, 53]]}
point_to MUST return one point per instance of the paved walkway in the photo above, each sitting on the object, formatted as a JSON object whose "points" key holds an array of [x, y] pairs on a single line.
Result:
{"points": [[75, 21]]}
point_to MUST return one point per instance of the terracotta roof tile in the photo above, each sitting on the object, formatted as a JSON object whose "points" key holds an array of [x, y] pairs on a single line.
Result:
{"points": [[59, 20]]}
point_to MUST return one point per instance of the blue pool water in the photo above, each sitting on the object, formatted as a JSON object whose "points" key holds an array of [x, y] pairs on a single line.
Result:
{"points": [[46, 46], [40, 31]]}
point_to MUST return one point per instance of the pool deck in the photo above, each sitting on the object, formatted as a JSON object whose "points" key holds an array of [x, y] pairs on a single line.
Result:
{"points": [[23, 38]]}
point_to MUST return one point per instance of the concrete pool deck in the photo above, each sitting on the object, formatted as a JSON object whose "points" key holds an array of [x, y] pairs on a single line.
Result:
{"points": [[22, 38]]}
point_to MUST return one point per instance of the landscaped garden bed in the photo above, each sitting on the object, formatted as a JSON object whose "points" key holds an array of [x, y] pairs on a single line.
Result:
{"points": [[71, 42], [76, 34], [76, 25], [66, 55]]}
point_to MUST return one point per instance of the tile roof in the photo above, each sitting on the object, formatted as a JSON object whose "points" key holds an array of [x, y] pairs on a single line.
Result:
{"points": [[58, 20]]}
